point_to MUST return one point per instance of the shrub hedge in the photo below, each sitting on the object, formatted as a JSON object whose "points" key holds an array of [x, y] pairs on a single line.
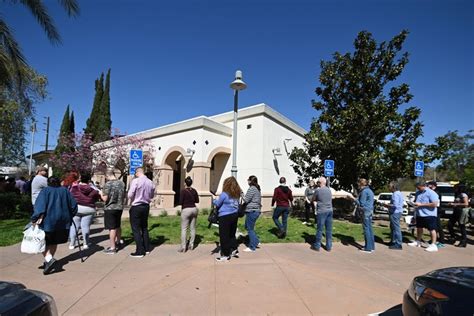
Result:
{"points": [[13, 206]]}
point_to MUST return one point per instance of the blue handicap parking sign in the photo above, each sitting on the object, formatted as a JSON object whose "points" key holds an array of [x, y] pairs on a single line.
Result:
{"points": [[329, 168], [136, 160], [419, 168]]}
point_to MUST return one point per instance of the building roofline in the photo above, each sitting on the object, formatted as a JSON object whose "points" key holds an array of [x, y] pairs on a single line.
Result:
{"points": [[260, 109]]}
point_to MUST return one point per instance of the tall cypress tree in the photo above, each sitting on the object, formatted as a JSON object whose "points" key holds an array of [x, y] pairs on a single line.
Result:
{"points": [[72, 124], [105, 122], [64, 133], [93, 122]]}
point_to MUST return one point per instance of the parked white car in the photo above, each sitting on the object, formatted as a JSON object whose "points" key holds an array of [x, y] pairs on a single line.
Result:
{"points": [[383, 199]]}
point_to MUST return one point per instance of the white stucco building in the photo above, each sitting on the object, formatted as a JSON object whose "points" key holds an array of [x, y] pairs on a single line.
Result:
{"points": [[201, 148]]}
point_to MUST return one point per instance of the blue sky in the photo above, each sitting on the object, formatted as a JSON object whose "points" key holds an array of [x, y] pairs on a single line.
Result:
{"points": [[174, 60]]}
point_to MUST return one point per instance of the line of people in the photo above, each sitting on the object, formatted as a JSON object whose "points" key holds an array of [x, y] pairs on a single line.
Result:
{"points": [[61, 208]]}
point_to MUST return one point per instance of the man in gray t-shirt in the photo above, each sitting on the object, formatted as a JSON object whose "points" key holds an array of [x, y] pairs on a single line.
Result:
{"points": [[112, 195], [40, 181], [323, 199]]}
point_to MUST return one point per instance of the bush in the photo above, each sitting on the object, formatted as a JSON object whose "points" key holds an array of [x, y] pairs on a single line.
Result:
{"points": [[13, 206]]}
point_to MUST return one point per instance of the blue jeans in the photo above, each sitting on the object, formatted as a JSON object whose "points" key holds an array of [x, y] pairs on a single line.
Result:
{"points": [[250, 220], [283, 212], [324, 219], [395, 229], [368, 232]]}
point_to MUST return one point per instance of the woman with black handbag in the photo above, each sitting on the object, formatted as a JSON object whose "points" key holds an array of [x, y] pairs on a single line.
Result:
{"points": [[228, 205]]}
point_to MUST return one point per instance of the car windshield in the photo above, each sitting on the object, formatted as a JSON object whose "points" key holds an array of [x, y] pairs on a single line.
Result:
{"points": [[385, 197]]}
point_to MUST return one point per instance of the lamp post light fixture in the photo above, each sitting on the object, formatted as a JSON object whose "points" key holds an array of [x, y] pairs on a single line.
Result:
{"points": [[236, 85]]}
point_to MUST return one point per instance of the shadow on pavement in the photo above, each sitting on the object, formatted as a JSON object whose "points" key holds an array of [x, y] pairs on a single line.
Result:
{"points": [[348, 241], [76, 255], [393, 311]]}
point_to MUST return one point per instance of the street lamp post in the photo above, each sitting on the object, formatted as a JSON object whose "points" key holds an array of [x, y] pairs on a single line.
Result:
{"points": [[236, 85]]}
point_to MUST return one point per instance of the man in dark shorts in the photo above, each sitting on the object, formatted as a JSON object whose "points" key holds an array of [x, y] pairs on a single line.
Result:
{"points": [[112, 195], [426, 202]]}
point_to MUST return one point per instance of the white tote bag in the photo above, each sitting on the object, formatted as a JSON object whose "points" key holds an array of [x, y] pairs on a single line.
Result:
{"points": [[33, 240]]}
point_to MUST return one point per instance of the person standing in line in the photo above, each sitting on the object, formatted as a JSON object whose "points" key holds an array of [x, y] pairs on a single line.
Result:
{"points": [[86, 197], [112, 195], [309, 207], [54, 209], [395, 213], [460, 215], [228, 205], [365, 204], [426, 201], [253, 201], [189, 212], [283, 198], [20, 184], [323, 199], [142, 191], [433, 186], [40, 181]]}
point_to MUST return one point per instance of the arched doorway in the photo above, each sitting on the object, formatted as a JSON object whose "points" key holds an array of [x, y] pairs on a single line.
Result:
{"points": [[176, 161], [218, 159]]}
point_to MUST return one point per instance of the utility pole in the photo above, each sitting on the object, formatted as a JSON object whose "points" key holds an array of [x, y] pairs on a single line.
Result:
{"points": [[33, 130], [47, 133]]}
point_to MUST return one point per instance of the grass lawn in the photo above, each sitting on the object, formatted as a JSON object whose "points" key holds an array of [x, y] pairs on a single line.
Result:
{"points": [[168, 230], [11, 231]]}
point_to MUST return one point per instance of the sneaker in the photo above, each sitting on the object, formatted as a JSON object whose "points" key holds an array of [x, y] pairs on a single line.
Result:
{"points": [[48, 266], [415, 243], [235, 253], [366, 251], [440, 245], [314, 248], [137, 255], [432, 248], [71, 247], [248, 250], [259, 244], [119, 244], [85, 247], [147, 252], [223, 258], [110, 251], [394, 247]]}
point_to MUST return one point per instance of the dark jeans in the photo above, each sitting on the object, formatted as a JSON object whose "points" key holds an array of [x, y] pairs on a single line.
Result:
{"points": [[308, 210], [462, 227], [227, 229], [368, 232], [324, 219], [396, 232], [250, 220], [283, 212], [139, 223], [440, 229]]}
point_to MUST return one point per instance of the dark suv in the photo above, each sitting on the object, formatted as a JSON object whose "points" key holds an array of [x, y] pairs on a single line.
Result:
{"points": [[447, 195]]}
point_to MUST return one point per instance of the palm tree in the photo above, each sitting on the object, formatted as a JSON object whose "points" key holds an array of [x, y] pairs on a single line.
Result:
{"points": [[12, 61]]}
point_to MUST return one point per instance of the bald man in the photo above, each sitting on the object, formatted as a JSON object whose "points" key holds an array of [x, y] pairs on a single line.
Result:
{"points": [[324, 214]]}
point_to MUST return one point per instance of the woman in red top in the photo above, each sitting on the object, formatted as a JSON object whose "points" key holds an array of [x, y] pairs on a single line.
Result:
{"points": [[86, 197]]}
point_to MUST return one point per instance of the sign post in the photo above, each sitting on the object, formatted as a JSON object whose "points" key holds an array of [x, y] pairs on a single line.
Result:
{"points": [[419, 168], [136, 160], [329, 170]]}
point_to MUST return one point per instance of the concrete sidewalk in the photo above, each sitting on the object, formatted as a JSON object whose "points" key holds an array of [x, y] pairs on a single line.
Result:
{"points": [[278, 279]]}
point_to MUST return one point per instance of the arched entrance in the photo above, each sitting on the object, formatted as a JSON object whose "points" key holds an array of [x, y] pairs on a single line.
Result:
{"points": [[175, 163], [218, 159]]}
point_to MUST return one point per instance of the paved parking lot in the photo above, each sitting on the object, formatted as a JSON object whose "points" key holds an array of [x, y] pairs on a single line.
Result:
{"points": [[279, 279]]}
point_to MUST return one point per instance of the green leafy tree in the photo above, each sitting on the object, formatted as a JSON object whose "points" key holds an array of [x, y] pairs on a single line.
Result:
{"points": [[17, 115], [454, 154], [12, 61], [64, 140], [361, 124]]}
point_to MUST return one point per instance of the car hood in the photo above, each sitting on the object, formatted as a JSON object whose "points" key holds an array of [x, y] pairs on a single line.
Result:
{"points": [[459, 275]]}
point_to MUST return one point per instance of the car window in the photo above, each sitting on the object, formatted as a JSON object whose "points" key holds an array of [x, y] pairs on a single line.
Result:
{"points": [[385, 197], [445, 190]]}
